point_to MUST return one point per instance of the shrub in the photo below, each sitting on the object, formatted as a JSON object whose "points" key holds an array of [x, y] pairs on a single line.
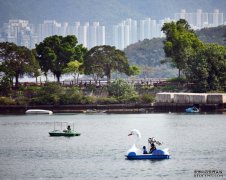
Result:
{"points": [[121, 89], [88, 100], [148, 98], [31, 91], [7, 101], [5, 86], [51, 88], [50, 99], [22, 100], [48, 94], [169, 88], [107, 100], [177, 79], [131, 99], [71, 96]]}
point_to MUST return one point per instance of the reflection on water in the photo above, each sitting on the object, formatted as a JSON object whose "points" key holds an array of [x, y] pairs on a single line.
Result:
{"points": [[28, 152]]}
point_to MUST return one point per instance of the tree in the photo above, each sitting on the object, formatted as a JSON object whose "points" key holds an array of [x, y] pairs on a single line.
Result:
{"points": [[101, 61], [134, 70], [74, 68], [180, 43], [16, 60], [55, 52], [207, 68], [5, 86]]}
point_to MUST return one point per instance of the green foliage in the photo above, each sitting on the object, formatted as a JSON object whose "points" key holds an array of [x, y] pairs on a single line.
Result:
{"points": [[177, 80], [71, 96], [21, 100], [203, 64], [130, 99], [54, 94], [121, 89], [107, 100], [170, 88], [88, 100], [31, 91], [134, 70], [101, 61], [207, 68], [7, 101], [148, 98], [48, 94], [55, 52], [51, 88], [48, 99], [180, 43], [16, 60], [74, 68], [5, 86], [150, 57]]}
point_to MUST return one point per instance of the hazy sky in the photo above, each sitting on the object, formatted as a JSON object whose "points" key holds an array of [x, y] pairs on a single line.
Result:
{"points": [[107, 12]]}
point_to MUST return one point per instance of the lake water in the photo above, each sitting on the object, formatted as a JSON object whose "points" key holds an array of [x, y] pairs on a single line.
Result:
{"points": [[196, 142]]}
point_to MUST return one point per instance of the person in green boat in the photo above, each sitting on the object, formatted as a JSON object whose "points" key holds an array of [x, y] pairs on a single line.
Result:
{"points": [[68, 127]]}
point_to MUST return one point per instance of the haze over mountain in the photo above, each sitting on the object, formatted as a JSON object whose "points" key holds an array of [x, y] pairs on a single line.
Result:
{"points": [[107, 12]]}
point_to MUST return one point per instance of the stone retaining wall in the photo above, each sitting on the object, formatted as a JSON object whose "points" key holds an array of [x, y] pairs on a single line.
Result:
{"points": [[191, 98], [164, 97], [216, 98]]}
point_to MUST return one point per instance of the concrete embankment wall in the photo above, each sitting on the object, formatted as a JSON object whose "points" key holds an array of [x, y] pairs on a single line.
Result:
{"points": [[191, 98], [180, 101], [216, 98]]}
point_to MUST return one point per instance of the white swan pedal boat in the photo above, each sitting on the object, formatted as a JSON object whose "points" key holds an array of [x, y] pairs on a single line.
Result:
{"points": [[156, 154], [135, 153]]}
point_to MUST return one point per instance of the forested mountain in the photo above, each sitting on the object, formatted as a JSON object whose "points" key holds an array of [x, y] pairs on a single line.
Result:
{"points": [[213, 35], [149, 53], [108, 12]]}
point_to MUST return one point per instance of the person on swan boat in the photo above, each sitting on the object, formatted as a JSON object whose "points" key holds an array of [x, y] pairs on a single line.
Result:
{"points": [[145, 150], [152, 143], [153, 147]]}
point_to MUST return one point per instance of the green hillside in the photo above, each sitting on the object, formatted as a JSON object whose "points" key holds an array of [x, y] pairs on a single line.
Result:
{"points": [[150, 52], [213, 35]]}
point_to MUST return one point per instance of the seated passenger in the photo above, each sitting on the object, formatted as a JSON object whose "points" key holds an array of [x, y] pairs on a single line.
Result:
{"points": [[68, 127], [144, 150], [153, 147]]}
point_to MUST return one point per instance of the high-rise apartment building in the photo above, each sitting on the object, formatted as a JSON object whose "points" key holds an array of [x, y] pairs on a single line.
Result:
{"points": [[22, 33], [19, 32], [129, 31], [96, 35], [200, 19], [124, 33]]}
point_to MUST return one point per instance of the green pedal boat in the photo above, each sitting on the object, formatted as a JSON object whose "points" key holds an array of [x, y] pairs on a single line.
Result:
{"points": [[67, 132], [64, 133]]}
